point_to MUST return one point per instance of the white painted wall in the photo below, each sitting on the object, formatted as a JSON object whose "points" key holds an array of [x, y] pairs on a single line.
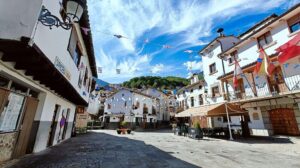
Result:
{"points": [[211, 79], [45, 109], [117, 102], [248, 53], [18, 18]]}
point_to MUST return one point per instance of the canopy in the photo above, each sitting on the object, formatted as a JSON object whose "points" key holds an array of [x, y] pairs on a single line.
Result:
{"points": [[212, 110]]}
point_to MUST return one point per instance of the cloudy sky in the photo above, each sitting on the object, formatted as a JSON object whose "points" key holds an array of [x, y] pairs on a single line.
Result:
{"points": [[159, 31]]}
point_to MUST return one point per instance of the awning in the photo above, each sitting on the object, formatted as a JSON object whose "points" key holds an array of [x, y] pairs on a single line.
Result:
{"points": [[187, 113], [220, 110], [212, 110]]}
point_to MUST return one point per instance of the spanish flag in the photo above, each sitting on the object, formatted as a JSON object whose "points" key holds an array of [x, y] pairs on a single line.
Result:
{"points": [[263, 64]]}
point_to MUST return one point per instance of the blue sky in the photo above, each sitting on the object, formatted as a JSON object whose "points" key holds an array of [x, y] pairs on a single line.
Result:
{"points": [[181, 24]]}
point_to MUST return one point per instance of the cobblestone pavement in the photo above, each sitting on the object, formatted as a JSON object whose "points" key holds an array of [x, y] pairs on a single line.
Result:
{"points": [[106, 149]]}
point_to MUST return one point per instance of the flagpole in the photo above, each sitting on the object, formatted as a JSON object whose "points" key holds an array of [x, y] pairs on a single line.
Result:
{"points": [[228, 122], [284, 77]]}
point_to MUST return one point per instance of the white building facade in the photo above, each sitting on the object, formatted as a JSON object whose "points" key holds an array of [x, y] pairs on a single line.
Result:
{"points": [[135, 108], [45, 75], [271, 101]]}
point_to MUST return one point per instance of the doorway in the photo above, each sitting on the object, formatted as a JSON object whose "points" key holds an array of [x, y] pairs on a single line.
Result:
{"points": [[284, 122], [66, 125], [53, 126], [25, 141]]}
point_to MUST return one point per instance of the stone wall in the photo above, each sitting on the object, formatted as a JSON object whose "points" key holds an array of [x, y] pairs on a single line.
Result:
{"points": [[7, 143]]}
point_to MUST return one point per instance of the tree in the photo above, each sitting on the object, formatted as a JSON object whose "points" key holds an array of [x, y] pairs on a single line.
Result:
{"points": [[161, 83]]}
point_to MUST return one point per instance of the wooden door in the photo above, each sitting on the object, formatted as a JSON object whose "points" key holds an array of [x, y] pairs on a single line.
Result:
{"points": [[3, 98], [26, 125], [284, 122]]}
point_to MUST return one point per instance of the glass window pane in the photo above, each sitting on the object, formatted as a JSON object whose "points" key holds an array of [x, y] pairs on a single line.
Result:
{"points": [[268, 38], [295, 27], [11, 113]]}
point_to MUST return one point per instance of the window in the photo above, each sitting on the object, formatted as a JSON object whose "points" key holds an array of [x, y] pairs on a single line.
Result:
{"points": [[255, 116], [73, 48], [212, 68], [145, 109], [233, 55], [192, 102], [192, 90], [215, 91], [200, 99], [294, 23], [108, 106], [225, 119], [137, 105], [85, 77], [200, 87], [10, 116], [125, 104], [265, 39]]}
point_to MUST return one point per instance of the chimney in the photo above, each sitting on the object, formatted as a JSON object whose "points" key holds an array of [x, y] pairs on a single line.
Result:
{"points": [[220, 31]]}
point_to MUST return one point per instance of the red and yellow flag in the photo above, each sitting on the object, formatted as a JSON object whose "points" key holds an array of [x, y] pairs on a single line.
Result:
{"points": [[263, 64]]}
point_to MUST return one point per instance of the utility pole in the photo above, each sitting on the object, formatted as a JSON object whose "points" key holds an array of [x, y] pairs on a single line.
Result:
{"points": [[228, 122]]}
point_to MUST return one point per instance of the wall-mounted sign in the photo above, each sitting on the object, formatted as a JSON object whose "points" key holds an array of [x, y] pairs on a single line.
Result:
{"points": [[61, 68]]}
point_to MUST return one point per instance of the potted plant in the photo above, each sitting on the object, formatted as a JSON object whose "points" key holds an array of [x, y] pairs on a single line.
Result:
{"points": [[123, 124], [128, 131], [198, 132], [119, 131]]}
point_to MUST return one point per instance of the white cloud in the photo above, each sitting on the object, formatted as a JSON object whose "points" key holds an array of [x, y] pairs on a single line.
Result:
{"points": [[190, 19], [157, 68], [193, 65]]}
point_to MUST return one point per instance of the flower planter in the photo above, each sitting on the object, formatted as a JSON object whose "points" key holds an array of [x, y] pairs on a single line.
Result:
{"points": [[119, 131], [128, 131]]}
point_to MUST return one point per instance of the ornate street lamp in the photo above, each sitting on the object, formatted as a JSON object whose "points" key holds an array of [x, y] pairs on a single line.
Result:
{"points": [[74, 11]]}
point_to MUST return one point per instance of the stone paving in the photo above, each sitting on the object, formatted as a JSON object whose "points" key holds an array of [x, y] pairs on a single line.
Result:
{"points": [[105, 149]]}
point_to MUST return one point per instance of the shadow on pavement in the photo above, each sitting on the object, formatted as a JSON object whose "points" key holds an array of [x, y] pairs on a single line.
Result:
{"points": [[97, 150], [259, 139]]}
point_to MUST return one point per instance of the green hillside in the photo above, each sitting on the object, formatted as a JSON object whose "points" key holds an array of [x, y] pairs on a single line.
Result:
{"points": [[161, 83]]}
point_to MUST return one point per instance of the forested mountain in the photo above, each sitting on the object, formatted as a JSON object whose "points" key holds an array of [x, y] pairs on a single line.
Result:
{"points": [[161, 83]]}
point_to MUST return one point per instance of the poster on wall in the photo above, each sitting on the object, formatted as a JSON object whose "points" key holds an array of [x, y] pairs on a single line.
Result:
{"points": [[10, 115]]}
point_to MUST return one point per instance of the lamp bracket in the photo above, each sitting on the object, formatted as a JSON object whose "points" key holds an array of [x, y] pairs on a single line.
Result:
{"points": [[49, 20]]}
